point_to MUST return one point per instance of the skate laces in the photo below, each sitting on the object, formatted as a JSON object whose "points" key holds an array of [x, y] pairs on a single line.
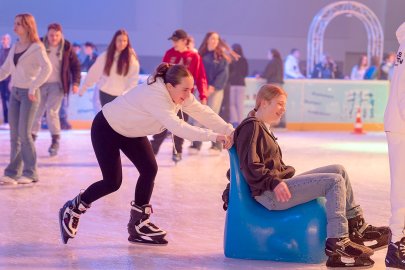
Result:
{"points": [[344, 242]]}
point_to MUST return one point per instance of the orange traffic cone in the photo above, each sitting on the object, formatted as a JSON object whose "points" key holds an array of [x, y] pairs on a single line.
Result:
{"points": [[358, 125]]}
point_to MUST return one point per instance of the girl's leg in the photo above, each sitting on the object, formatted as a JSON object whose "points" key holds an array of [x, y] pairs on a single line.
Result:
{"points": [[305, 188]]}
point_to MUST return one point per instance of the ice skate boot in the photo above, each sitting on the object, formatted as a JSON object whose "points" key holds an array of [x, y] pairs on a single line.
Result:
{"points": [[344, 253], [53, 149], [141, 230], [365, 234], [69, 216], [395, 258]]}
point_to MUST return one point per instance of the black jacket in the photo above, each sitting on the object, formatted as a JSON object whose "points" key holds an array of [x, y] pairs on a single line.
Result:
{"points": [[238, 70]]}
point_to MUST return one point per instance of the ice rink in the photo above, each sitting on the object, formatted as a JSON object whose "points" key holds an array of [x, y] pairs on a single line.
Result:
{"points": [[186, 200]]}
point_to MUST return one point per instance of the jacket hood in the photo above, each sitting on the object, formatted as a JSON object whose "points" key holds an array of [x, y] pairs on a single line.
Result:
{"points": [[401, 33]]}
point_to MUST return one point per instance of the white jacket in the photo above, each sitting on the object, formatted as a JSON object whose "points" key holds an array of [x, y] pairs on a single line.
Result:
{"points": [[32, 70], [394, 118], [291, 68], [114, 85], [149, 109]]}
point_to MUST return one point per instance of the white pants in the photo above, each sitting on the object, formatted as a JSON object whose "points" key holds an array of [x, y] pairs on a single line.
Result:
{"points": [[236, 103], [396, 153]]}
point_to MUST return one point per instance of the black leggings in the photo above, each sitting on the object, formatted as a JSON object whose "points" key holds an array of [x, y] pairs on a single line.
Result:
{"points": [[107, 145]]}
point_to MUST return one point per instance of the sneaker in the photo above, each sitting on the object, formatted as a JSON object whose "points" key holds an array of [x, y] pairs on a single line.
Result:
{"points": [[176, 157], [214, 151], [395, 258], [5, 126], [193, 150], [25, 180], [7, 180]]}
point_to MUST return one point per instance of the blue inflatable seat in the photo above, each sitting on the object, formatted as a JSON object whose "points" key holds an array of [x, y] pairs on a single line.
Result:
{"points": [[253, 232]]}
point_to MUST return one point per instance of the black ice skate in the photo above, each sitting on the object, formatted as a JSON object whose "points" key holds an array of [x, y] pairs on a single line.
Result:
{"points": [[53, 149], [365, 234], [69, 216], [395, 258], [141, 230], [344, 253]]}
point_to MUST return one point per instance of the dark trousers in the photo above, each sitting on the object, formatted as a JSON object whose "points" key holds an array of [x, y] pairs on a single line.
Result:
{"points": [[105, 98], [107, 145], [5, 98], [159, 138]]}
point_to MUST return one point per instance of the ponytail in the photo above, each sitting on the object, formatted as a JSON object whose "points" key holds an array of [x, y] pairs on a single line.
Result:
{"points": [[267, 92], [169, 73]]}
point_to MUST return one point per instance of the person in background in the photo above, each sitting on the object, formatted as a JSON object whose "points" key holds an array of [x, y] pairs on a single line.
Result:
{"points": [[274, 74], [238, 70], [181, 54], [291, 65], [123, 126], [359, 69], [326, 69], [4, 84], [394, 126], [65, 75], [115, 71], [90, 53], [29, 67], [373, 71], [216, 56], [387, 65]]}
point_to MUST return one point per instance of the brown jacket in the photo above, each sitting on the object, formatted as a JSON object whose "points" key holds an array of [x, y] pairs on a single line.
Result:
{"points": [[260, 156]]}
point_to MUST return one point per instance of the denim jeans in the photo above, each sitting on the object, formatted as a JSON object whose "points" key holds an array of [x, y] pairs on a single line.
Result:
{"points": [[331, 182], [21, 117], [51, 101]]}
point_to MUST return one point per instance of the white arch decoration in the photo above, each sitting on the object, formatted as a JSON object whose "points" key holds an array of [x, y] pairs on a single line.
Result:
{"points": [[375, 35]]}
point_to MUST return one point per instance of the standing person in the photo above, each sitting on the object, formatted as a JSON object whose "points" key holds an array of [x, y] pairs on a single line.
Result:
{"points": [[325, 69], [214, 52], [238, 70], [291, 65], [148, 108], [274, 71], [181, 54], [65, 71], [387, 66], [359, 69], [90, 56], [394, 125], [115, 71], [274, 184], [274, 74], [29, 67], [373, 71], [4, 90]]}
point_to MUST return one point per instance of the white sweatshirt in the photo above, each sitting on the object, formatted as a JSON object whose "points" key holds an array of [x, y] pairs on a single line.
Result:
{"points": [[149, 109], [394, 118], [291, 68], [114, 85], [32, 70]]}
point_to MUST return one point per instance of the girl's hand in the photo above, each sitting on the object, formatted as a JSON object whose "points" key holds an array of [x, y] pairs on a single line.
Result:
{"points": [[282, 192], [32, 97]]}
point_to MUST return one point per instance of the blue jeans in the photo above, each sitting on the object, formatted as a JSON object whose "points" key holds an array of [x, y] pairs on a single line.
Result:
{"points": [[21, 117], [331, 182]]}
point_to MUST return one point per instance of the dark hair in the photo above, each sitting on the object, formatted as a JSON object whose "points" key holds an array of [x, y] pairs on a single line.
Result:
{"points": [[237, 48], [89, 44], [124, 59], [55, 26], [276, 54], [293, 50], [169, 73]]}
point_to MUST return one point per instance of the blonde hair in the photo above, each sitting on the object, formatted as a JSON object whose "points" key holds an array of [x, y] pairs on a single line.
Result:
{"points": [[267, 92], [29, 24]]}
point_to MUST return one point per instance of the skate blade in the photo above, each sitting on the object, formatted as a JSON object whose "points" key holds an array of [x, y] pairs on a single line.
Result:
{"points": [[350, 263], [148, 244], [62, 236]]}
